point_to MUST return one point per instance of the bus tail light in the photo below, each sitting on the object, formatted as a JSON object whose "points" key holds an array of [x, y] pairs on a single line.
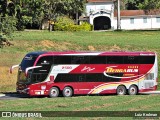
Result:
{"points": [[51, 78]]}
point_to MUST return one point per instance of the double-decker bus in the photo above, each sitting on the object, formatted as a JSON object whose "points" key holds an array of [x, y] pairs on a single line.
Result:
{"points": [[71, 73]]}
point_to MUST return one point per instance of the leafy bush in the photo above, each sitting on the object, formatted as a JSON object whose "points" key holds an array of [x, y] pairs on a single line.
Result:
{"points": [[26, 20], [67, 24], [7, 27], [86, 26]]}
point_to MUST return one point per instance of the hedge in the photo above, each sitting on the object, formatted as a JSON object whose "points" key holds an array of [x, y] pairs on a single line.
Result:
{"points": [[67, 24]]}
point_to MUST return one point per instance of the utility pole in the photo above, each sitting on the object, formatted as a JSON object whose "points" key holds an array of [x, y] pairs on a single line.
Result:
{"points": [[77, 17], [118, 16]]}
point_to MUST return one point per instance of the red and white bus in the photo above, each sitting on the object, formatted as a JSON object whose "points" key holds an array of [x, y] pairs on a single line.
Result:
{"points": [[71, 73]]}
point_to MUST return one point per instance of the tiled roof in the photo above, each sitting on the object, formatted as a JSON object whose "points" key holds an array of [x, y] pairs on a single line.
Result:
{"points": [[137, 12]]}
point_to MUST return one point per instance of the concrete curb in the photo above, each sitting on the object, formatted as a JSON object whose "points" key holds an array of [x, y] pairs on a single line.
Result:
{"points": [[152, 92]]}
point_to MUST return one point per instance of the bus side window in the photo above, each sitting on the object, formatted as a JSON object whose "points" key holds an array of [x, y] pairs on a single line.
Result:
{"points": [[146, 59], [115, 59], [46, 63], [80, 60], [131, 60], [62, 59], [98, 60]]}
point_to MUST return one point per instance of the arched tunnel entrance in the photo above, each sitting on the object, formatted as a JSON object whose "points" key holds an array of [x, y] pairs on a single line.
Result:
{"points": [[102, 23]]}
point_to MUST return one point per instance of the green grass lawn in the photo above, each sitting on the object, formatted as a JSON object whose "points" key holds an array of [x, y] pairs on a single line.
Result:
{"points": [[126, 40], [134, 39], [84, 103], [27, 41]]}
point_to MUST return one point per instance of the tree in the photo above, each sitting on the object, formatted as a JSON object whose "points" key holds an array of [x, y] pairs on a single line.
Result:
{"points": [[32, 12], [141, 4], [28, 12], [76, 7], [131, 4], [7, 27], [149, 4], [7, 22], [3, 7], [54, 8]]}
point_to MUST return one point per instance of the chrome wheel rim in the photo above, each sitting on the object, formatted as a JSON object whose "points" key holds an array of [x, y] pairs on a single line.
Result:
{"points": [[132, 90], [67, 92], [54, 92]]}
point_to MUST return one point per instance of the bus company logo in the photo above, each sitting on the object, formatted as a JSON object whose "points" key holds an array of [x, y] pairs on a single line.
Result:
{"points": [[88, 69], [28, 57], [113, 69], [66, 67]]}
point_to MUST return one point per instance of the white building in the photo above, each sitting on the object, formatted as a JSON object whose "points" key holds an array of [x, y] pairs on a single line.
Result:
{"points": [[101, 14]]}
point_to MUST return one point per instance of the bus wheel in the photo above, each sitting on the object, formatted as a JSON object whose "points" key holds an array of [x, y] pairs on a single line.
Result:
{"points": [[67, 92], [54, 92], [132, 90], [121, 90]]}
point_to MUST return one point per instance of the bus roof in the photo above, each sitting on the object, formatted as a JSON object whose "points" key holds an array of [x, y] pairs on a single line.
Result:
{"points": [[115, 53], [37, 53]]}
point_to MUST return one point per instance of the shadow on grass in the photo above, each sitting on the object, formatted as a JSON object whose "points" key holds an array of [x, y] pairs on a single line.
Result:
{"points": [[15, 95]]}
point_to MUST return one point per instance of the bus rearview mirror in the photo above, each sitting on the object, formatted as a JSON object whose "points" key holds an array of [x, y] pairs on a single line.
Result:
{"points": [[12, 67], [30, 68]]}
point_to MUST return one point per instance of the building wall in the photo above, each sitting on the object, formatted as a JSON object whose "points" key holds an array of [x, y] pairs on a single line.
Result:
{"points": [[92, 17], [93, 11], [156, 24], [138, 23], [98, 6]]}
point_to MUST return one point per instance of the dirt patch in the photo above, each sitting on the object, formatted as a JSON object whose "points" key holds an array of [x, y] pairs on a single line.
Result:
{"points": [[30, 49], [115, 48], [48, 44], [62, 105], [91, 48], [57, 46]]}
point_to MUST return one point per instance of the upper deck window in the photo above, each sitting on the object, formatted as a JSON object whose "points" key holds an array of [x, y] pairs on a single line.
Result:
{"points": [[115, 59]]}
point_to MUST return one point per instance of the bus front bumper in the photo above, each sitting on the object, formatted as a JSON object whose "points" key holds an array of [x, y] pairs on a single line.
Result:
{"points": [[24, 91]]}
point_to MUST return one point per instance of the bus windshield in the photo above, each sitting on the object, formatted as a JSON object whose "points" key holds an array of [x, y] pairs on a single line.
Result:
{"points": [[28, 61]]}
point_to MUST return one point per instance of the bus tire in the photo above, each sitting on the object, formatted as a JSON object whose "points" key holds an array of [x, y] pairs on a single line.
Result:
{"points": [[132, 90], [54, 92], [67, 92], [121, 90]]}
